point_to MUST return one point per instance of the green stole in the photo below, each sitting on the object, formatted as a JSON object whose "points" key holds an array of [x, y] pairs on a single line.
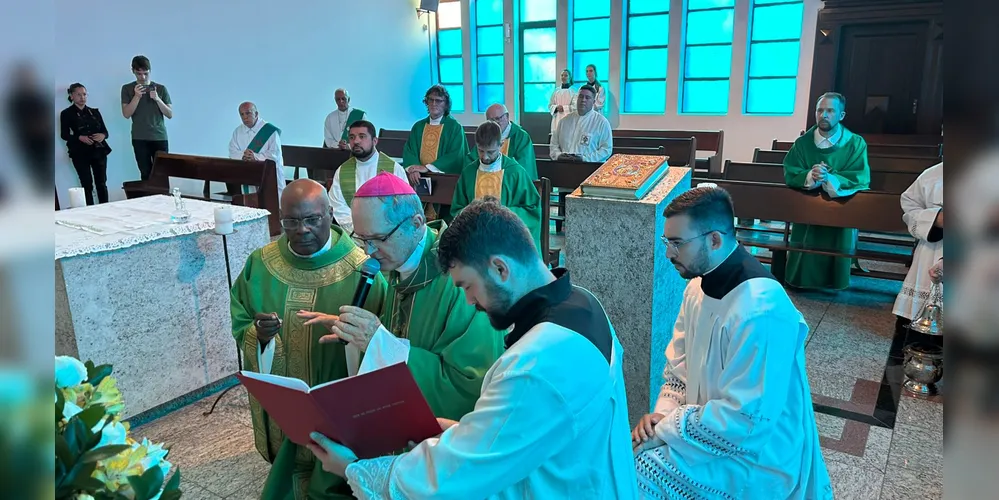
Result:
{"points": [[355, 115], [348, 174], [262, 136]]}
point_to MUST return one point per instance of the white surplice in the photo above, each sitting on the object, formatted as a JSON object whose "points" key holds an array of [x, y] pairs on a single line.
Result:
{"points": [[333, 127], [565, 98], [588, 136], [364, 172], [738, 411], [920, 205], [241, 138], [551, 422]]}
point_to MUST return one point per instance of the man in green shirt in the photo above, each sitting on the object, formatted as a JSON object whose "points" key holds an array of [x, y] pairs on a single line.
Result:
{"points": [[312, 267], [831, 158], [516, 142], [146, 103]]}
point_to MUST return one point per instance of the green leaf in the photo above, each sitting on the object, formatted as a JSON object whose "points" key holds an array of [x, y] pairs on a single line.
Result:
{"points": [[79, 471], [60, 405], [171, 495], [147, 485], [77, 435], [104, 452], [63, 456], [97, 374], [89, 484], [174, 482], [91, 416]]}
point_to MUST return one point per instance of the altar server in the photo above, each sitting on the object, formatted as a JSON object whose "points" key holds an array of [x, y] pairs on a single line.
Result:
{"points": [[922, 205], [563, 100], [734, 416]]}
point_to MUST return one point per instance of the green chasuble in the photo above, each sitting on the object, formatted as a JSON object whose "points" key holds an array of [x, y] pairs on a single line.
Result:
{"points": [[452, 345], [510, 185], [519, 146], [274, 280], [848, 173], [442, 145]]}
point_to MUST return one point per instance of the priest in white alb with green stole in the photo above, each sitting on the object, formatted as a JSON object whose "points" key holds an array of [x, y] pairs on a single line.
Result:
{"points": [[831, 158], [501, 177], [312, 267], [364, 163]]}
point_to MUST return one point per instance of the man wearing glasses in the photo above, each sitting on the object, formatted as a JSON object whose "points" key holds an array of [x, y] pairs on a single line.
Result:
{"points": [[448, 343], [312, 267], [516, 142], [734, 417], [437, 142]]}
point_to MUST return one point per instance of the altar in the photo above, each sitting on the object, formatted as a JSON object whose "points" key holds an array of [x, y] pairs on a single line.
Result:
{"points": [[150, 296]]}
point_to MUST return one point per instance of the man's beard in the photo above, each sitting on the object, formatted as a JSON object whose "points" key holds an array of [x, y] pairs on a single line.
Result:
{"points": [[365, 153], [824, 126], [696, 268], [501, 302]]}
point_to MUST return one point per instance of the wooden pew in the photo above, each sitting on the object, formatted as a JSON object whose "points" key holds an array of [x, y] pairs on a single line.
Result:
{"points": [[392, 146], [780, 145], [910, 150], [705, 140], [888, 182], [325, 160], [393, 134], [681, 152], [884, 163], [904, 139], [259, 174], [867, 211]]}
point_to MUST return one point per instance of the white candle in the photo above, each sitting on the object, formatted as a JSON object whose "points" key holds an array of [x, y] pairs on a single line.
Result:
{"points": [[223, 219], [77, 198]]}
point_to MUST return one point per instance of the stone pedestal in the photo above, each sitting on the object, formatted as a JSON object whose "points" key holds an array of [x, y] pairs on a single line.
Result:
{"points": [[613, 249]]}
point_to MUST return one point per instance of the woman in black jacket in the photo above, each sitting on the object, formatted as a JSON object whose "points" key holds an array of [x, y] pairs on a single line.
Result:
{"points": [[85, 134]]}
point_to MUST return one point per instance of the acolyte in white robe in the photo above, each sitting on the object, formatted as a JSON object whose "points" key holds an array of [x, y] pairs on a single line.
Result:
{"points": [[565, 98], [920, 205], [365, 171], [588, 136], [738, 412], [334, 125], [551, 421], [241, 138]]}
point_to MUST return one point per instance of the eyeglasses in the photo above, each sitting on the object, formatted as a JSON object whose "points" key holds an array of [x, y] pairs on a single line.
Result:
{"points": [[677, 244], [434, 100], [364, 242], [498, 118], [311, 221]]}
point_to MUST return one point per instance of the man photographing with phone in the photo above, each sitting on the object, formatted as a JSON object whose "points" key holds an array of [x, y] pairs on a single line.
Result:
{"points": [[146, 103]]}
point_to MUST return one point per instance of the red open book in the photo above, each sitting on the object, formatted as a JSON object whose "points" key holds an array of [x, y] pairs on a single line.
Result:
{"points": [[373, 414]]}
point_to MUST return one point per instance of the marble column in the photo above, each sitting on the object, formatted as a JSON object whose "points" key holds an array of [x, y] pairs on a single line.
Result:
{"points": [[613, 249]]}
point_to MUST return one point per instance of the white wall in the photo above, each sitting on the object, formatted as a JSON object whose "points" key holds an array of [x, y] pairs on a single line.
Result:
{"points": [[287, 57]]}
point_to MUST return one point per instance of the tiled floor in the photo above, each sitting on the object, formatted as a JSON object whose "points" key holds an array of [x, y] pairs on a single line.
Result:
{"points": [[846, 354]]}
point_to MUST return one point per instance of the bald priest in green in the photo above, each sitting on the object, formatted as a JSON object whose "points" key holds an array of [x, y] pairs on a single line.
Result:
{"points": [[831, 158], [437, 142], [312, 267], [447, 343], [517, 143], [501, 177]]}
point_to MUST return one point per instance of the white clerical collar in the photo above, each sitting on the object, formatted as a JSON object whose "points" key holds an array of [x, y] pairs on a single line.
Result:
{"points": [[492, 167], [436, 121], [506, 131], [256, 126], [832, 140], [324, 249], [413, 262], [343, 113], [370, 162], [723, 260]]}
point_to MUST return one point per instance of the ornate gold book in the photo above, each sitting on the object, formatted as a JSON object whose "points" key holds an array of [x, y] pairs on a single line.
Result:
{"points": [[628, 177]]}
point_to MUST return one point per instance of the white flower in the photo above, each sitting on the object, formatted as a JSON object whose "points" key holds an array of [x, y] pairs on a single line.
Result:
{"points": [[84, 496], [114, 433], [70, 409], [69, 372]]}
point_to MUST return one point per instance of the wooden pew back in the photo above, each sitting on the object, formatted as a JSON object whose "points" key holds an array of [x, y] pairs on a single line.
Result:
{"points": [[393, 134], [565, 175], [704, 140], [327, 160], [392, 146], [888, 182], [909, 150], [884, 163]]}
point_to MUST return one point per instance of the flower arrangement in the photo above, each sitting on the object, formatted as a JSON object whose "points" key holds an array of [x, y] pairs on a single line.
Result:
{"points": [[95, 458]]}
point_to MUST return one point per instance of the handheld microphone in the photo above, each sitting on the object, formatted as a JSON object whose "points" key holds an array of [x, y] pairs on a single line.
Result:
{"points": [[369, 269]]}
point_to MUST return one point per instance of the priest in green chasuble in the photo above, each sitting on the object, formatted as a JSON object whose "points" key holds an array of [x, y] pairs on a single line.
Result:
{"points": [[517, 143], [448, 343], [501, 177], [833, 159], [437, 142], [312, 267]]}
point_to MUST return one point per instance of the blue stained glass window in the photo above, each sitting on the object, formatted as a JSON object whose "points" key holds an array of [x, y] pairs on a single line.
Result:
{"points": [[778, 22], [591, 34], [457, 97], [707, 97], [490, 69], [710, 61], [599, 58], [591, 8], [771, 96], [647, 63], [489, 40], [709, 4], [489, 94], [648, 30], [647, 6], [711, 26], [539, 68], [774, 59], [537, 96], [488, 12], [449, 42], [537, 10], [764, 2], [645, 97], [451, 69], [539, 40]]}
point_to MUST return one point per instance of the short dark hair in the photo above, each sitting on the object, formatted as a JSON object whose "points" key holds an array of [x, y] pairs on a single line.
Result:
{"points": [[141, 63], [833, 95], [590, 88], [709, 208], [441, 91], [73, 88], [363, 123], [483, 229], [488, 134]]}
